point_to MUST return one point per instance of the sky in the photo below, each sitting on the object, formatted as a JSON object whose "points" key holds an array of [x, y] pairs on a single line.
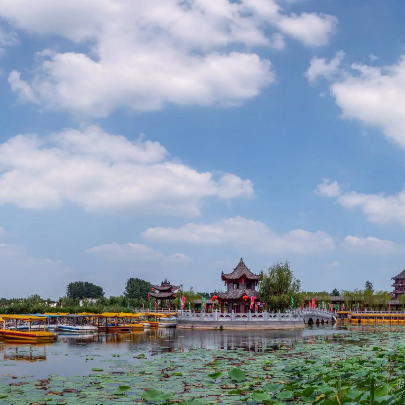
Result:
{"points": [[168, 139]]}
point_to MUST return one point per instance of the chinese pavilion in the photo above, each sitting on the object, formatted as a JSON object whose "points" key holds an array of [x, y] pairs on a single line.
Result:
{"points": [[164, 292], [399, 284], [241, 291]]}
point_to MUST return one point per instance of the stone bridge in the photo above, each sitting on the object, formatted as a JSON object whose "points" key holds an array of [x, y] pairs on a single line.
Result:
{"points": [[263, 320], [318, 316]]}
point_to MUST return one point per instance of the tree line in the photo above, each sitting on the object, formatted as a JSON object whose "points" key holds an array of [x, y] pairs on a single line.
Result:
{"points": [[278, 289]]}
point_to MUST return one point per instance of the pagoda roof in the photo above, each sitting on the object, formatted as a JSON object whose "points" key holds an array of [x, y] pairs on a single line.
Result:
{"points": [[400, 275], [237, 294], [165, 286], [161, 295], [240, 271]]}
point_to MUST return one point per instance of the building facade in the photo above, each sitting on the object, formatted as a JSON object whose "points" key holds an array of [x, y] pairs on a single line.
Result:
{"points": [[241, 295], [399, 284]]}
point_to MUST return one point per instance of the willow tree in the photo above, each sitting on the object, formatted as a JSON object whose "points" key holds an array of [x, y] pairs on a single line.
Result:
{"points": [[279, 289]]}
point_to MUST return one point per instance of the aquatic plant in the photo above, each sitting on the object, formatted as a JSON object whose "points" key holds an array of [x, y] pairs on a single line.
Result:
{"points": [[361, 368]]}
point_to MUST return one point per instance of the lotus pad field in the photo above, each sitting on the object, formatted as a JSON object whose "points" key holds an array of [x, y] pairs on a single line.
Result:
{"points": [[362, 368]]}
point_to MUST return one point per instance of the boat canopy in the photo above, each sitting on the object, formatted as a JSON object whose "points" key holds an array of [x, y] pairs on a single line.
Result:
{"points": [[25, 317]]}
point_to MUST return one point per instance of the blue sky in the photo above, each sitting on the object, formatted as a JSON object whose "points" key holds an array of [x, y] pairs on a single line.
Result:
{"points": [[170, 139]]}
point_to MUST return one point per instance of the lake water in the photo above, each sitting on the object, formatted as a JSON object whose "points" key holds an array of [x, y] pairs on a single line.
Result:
{"points": [[77, 354]]}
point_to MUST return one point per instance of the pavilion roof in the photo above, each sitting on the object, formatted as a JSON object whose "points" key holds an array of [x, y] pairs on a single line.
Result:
{"points": [[162, 294], [165, 286], [240, 271], [237, 294], [400, 275]]}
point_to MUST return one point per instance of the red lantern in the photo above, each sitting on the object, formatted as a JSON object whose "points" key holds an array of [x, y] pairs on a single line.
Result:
{"points": [[245, 297], [153, 289], [214, 298], [171, 289], [148, 296]]}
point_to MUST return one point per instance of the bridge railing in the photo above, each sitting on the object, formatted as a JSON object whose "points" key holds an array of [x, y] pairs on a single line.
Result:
{"points": [[216, 316]]}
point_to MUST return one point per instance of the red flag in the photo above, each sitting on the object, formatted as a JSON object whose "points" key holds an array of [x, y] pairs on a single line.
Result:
{"points": [[252, 301]]}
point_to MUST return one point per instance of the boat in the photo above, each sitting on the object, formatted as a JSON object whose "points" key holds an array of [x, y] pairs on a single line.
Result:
{"points": [[10, 329], [77, 323], [121, 322], [167, 321]]}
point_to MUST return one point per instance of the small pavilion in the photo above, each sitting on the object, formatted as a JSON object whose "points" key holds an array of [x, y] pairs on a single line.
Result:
{"points": [[241, 295], [164, 292]]}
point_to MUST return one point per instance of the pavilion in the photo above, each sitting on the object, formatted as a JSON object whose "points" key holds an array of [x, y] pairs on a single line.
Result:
{"points": [[164, 292], [241, 293]]}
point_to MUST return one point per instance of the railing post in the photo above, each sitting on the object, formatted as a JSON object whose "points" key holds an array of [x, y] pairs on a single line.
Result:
{"points": [[232, 316], [266, 315]]}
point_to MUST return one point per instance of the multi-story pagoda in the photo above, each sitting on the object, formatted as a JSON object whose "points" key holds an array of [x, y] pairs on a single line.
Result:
{"points": [[164, 292], [399, 284], [241, 287]]}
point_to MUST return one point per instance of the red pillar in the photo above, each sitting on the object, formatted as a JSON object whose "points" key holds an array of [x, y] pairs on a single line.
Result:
{"points": [[222, 306], [243, 306]]}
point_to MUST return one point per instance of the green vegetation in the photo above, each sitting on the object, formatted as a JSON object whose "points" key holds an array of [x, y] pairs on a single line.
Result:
{"points": [[278, 286], [335, 293], [35, 304], [354, 368], [368, 286], [137, 288], [83, 289]]}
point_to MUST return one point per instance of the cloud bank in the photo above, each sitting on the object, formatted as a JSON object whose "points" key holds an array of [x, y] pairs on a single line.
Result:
{"points": [[242, 232], [144, 55], [101, 172]]}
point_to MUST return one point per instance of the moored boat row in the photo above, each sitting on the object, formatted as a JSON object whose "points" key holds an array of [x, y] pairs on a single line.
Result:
{"points": [[38, 327], [371, 318]]}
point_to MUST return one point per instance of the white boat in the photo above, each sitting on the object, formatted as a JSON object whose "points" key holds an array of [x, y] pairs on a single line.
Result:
{"points": [[77, 328]]}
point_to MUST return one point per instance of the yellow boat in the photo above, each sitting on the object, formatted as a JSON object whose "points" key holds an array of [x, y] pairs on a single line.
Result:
{"points": [[344, 316], [30, 335], [119, 323]]}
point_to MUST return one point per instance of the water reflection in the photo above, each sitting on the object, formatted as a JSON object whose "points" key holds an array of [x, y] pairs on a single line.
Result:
{"points": [[23, 353], [77, 354]]}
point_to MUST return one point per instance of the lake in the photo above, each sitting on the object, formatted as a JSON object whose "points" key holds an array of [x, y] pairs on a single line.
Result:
{"points": [[321, 365], [69, 354]]}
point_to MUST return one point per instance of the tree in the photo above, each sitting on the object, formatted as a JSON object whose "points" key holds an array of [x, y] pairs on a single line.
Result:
{"points": [[402, 299], [83, 289], [335, 292], [368, 286], [278, 286], [137, 288], [382, 299]]}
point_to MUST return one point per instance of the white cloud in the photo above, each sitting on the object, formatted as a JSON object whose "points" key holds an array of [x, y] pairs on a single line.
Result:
{"points": [[371, 245], [377, 207], [375, 96], [319, 67], [333, 264], [134, 252], [246, 233], [328, 189], [372, 57], [311, 29], [102, 172], [143, 55], [23, 275], [2, 232]]}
